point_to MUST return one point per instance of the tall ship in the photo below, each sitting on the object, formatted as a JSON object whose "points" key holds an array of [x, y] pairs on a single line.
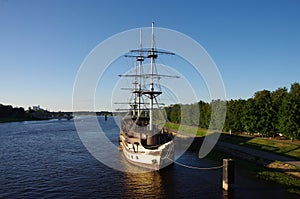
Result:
{"points": [[144, 140]]}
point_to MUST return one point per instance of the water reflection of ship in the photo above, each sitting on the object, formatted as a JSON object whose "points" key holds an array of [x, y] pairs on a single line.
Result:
{"points": [[144, 185], [143, 140]]}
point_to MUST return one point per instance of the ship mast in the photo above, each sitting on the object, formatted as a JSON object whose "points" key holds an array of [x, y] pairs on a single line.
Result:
{"points": [[151, 83], [141, 54], [140, 60]]}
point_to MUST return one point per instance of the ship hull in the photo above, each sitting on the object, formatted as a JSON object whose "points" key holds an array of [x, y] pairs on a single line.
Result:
{"points": [[153, 159]]}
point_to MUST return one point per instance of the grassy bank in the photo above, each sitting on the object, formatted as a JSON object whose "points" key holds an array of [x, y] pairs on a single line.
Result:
{"points": [[290, 183], [280, 147], [186, 129], [284, 148]]}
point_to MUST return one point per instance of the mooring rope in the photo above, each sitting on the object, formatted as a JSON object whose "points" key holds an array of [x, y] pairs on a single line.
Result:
{"points": [[198, 168], [189, 166]]}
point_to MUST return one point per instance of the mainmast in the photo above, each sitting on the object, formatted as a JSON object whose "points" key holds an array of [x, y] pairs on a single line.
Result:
{"points": [[151, 83]]}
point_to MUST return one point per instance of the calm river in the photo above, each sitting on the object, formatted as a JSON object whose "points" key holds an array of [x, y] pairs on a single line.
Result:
{"points": [[46, 159]]}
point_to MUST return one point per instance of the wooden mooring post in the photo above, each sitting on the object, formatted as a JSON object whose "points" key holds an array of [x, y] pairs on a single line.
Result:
{"points": [[228, 174]]}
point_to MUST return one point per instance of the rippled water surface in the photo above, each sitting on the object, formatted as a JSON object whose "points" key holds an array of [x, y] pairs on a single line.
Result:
{"points": [[47, 159]]}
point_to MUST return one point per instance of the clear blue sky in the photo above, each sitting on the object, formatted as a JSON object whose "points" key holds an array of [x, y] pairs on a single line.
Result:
{"points": [[255, 44]]}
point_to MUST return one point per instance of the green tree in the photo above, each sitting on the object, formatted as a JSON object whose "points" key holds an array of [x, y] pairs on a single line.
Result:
{"points": [[186, 114], [194, 114], [174, 113], [249, 116], [204, 114], [265, 112], [278, 97], [234, 114], [289, 113], [218, 114]]}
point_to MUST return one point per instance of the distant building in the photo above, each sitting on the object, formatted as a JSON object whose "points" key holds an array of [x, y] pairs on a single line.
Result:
{"points": [[37, 108]]}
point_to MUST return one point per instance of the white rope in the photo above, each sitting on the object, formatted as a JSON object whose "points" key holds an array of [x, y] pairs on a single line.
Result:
{"points": [[188, 166], [198, 168]]}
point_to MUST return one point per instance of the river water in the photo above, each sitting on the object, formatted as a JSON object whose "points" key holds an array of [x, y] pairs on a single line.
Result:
{"points": [[46, 159]]}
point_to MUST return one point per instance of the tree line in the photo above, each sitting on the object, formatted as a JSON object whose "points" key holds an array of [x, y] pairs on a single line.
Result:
{"points": [[7, 111], [268, 112]]}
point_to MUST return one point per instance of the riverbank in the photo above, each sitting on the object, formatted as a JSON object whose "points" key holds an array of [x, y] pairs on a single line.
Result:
{"points": [[18, 114], [37, 117], [11, 119], [7, 120], [265, 158], [286, 175], [277, 145]]}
